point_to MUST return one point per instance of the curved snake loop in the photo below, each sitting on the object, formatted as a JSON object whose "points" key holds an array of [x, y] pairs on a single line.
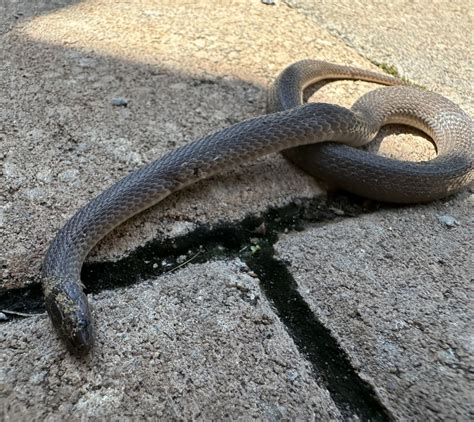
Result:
{"points": [[296, 129]]}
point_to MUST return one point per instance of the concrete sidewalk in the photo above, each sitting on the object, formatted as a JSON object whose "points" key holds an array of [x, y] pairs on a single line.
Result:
{"points": [[328, 309], [430, 43]]}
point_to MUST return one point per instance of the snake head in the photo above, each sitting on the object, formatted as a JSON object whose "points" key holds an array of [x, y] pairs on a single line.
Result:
{"points": [[69, 311]]}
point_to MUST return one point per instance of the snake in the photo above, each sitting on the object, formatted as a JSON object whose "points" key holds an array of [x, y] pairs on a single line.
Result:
{"points": [[321, 138]]}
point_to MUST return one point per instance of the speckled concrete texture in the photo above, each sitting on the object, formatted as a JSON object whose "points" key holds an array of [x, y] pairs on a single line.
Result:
{"points": [[395, 289], [429, 42], [183, 77], [213, 349], [90, 90]]}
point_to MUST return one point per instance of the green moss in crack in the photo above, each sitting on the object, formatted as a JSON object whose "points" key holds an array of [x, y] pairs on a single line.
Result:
{"points": [[393, 71], [390, 69]]}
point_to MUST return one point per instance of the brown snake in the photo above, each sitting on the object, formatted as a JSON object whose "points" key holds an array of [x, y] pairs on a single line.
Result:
{"points": [[290, 127]]}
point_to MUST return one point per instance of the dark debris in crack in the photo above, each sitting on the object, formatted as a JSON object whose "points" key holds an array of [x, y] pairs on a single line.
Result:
{"points": [[251, 240]]}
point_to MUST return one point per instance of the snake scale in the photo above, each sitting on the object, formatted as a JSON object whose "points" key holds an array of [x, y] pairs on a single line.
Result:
{"points": [[290, 126]]}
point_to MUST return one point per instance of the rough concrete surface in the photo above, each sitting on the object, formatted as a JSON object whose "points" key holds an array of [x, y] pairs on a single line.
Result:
{"points": [[183, 77], [427, 41], [193, 345], [211, 349], [395, 288]]}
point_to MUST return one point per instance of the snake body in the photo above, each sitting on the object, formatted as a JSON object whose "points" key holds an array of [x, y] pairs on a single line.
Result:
{"points": [[291, 127]]}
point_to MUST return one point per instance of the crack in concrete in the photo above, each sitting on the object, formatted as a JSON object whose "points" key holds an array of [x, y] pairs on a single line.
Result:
{"points": [[251, 240]]}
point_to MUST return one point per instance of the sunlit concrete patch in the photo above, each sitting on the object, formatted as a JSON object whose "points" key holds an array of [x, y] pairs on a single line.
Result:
{"points": [[429, 43], [238, 38], [393, 141], [182, 74], [203, 342]]}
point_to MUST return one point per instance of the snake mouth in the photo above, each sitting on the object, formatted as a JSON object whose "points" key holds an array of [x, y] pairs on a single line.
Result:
{"points": [[68, 308]]}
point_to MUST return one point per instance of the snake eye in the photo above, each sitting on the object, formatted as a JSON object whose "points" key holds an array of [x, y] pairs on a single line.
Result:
{"points": [[69, 311]]}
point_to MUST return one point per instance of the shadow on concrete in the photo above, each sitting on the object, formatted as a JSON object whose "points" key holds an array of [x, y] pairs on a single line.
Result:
{"points": [[61, 112], [16, 11]]}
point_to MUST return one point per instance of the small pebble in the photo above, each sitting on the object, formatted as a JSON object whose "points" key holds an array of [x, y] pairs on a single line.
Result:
{"points": [[3, 218], [180, 259], [44, 175], [270, 2], [69, 176], [292, 374], [254, 249], [337, 211], [87, 62], [35, 194], [119, 102], [448, 220], [3, 317], [165, 263]]}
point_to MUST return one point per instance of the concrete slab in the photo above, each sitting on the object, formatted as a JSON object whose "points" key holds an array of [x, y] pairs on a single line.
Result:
{"points": [[211, 349], [183, 77], [179, 346], [395, 290], [427, 42]]}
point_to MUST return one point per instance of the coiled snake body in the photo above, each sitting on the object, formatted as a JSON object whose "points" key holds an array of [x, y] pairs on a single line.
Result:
{"points": [[293, 128]]}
